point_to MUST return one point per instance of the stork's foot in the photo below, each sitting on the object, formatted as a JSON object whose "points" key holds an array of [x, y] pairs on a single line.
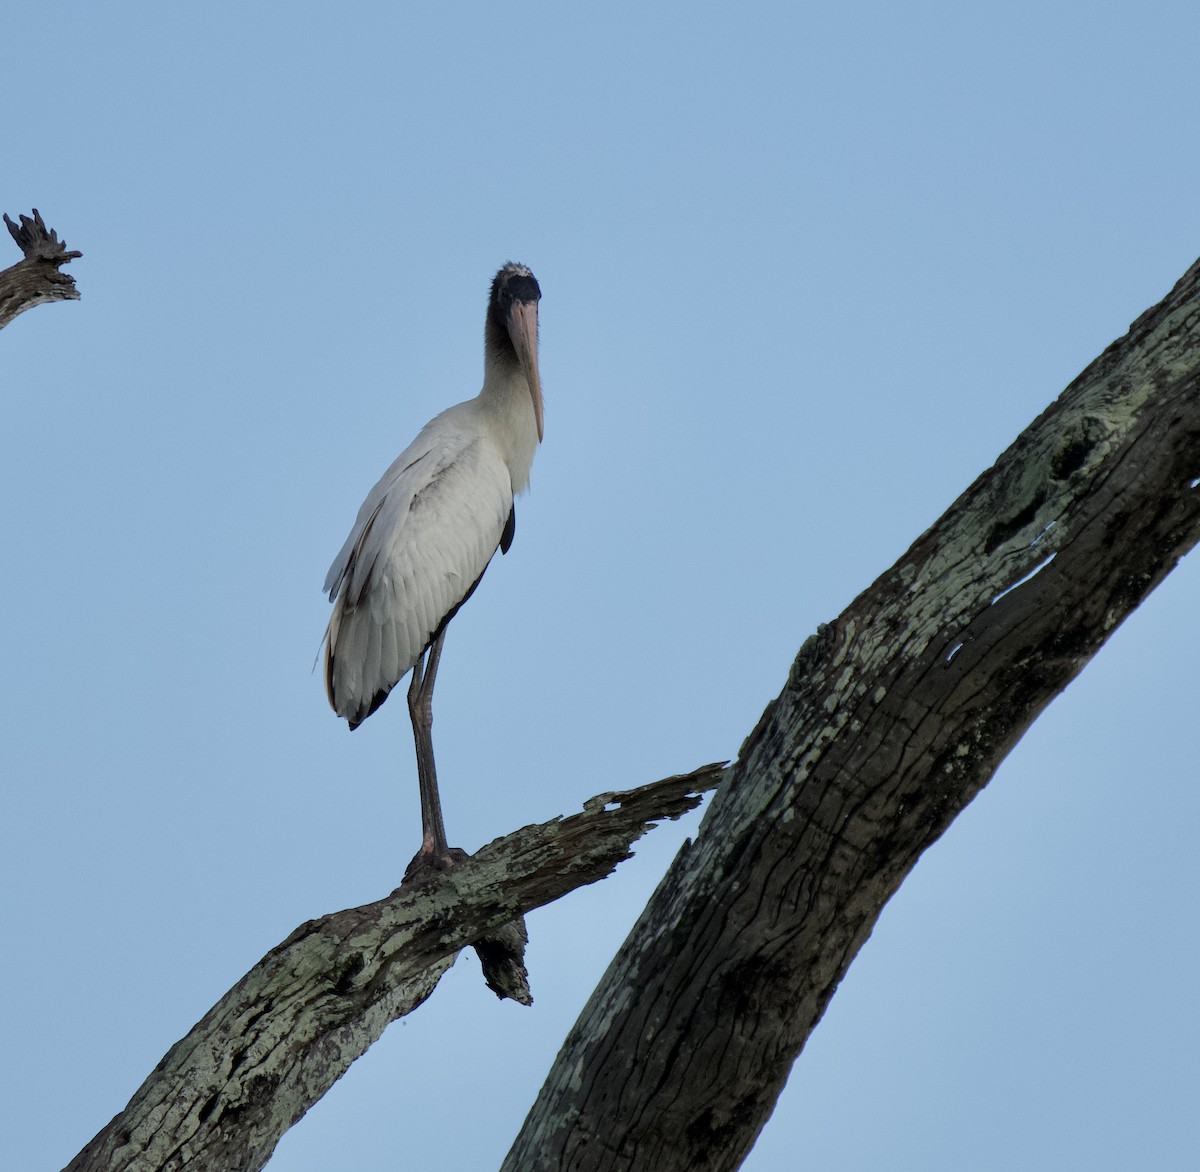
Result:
{"points": [[502, 952], [427, 863]]}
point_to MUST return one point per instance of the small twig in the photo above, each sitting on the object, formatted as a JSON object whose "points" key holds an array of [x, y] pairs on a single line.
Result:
{"points": [[35, 279], [38, 242]]}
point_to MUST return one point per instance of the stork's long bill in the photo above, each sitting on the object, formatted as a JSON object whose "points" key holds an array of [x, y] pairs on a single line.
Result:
{"points": [[522, 325]]}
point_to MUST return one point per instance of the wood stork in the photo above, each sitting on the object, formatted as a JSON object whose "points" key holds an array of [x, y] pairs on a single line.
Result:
{"points": [[425, 535]]}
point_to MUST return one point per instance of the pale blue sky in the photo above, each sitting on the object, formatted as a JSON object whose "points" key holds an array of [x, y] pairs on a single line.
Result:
{"points": [[806, 270]]}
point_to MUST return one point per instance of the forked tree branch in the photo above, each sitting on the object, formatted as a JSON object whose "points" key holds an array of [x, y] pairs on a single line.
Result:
{"points": [[280, 1038], [36, 278], [893, 717]]}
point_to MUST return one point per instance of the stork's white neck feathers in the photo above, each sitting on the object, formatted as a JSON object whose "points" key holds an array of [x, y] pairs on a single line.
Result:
{"points": [[506, 404]]}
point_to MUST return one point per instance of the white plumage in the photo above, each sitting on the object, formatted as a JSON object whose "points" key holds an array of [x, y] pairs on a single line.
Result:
{"points": [[429, 527], [423, 536]]}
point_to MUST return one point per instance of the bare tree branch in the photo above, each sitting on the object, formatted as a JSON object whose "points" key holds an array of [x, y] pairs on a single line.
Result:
{"points": [[280, 1038], [35, 279], [893, 717]]}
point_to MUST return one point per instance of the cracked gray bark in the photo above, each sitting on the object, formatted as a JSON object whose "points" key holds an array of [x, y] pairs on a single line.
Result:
{"points": [[36, 278], [279, 1039], [892, 719]]}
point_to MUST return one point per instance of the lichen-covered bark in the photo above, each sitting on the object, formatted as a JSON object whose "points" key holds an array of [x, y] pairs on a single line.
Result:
{"points": [[893, 717], [276, 1042], [36, 278]]}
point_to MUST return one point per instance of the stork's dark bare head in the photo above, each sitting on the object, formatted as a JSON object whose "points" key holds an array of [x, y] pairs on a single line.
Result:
{"points": [[512, 326], [514, 282]]}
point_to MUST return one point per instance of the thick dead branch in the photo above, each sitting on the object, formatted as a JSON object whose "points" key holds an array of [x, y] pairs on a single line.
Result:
{"points": [[35, 279], [273, 1045], [893, 717]]}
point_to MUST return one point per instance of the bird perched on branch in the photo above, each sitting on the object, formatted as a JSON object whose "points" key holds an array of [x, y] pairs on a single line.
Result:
{"points": [[426, 533]]}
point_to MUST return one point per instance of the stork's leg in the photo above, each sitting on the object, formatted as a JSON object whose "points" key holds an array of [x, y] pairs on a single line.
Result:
{"points": [[420, 708], [502, 953]]}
